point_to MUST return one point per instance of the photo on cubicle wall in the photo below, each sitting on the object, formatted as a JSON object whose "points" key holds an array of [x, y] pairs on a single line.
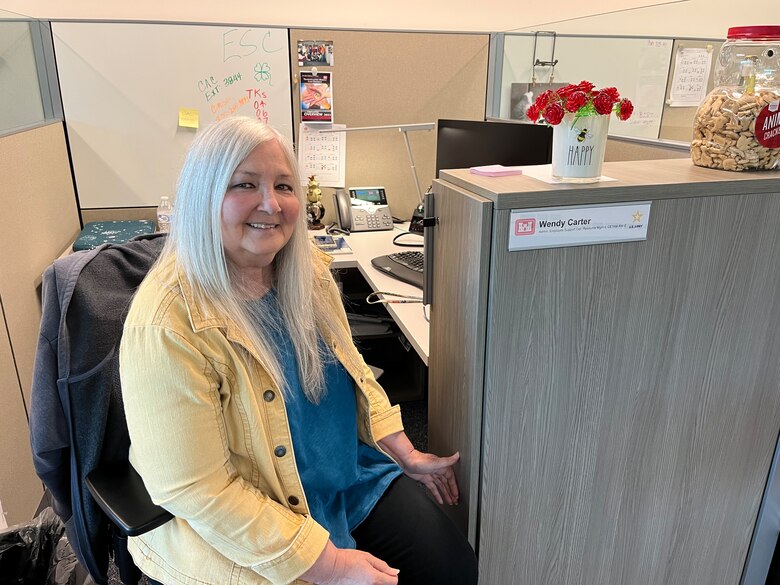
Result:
{"points": [[522, 95], [315, 53]]}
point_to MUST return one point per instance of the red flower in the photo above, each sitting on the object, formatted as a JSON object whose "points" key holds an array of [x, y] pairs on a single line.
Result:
{"points": [[533, 112], [581, 100], [544, 99], [566, 90], [576, 101], [553, 114], [584, 86], [625, 109], [613, 93], [603, 103]]}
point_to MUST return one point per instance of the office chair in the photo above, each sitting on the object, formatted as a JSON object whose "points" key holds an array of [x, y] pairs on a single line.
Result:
{"points": [[78, 430]]}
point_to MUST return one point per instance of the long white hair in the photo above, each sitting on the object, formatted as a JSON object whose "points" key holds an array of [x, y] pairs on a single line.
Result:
{"points": [[196, 243]]}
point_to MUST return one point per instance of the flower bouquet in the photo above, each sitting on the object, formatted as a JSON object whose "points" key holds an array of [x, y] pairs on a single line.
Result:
{"points": [[581, 100], [579, 115]]}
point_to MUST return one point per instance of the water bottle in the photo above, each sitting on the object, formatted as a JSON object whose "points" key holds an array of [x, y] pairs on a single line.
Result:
{"points": [[164, 214]]}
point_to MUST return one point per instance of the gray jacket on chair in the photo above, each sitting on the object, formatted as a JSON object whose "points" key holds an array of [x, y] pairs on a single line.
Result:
{"points": [[76, 415]]}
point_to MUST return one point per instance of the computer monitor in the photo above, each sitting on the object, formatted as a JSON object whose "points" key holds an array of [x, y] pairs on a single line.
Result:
{"points": [[473, 143]]}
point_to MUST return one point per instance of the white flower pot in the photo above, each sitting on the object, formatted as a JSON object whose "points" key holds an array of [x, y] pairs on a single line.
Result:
{"points": [[578, 148]]}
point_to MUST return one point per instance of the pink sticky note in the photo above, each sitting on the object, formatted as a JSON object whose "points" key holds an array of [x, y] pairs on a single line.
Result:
{"points": [[496, 171]]}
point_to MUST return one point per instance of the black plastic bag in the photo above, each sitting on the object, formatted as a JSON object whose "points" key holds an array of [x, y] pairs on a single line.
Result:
{"points": [[37, 553]]}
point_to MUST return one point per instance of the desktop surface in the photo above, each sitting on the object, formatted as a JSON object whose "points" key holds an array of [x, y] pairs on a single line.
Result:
{"points": [[410, 317]]}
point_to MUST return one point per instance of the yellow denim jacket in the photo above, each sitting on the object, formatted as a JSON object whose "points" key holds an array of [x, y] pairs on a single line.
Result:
{"points": [[210, 437]]}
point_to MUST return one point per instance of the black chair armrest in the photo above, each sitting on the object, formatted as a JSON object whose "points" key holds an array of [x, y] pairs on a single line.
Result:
{"points": [[121, 494]]}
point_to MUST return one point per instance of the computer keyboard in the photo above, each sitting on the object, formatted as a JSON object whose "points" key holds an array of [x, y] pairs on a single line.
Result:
{"points": [[412, 260], [405, 266]]}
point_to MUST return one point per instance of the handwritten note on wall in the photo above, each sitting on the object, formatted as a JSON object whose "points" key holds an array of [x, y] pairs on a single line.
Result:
{"points": [[322, 154], [124, 85], [243, 86], [648, 93], [691, 75]]}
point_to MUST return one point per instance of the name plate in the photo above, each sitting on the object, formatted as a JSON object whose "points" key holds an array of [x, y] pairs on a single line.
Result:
{"points": [[555, 227]]}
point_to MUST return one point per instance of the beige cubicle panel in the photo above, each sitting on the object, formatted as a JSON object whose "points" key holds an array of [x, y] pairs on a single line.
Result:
{"points": [[41, 220], [623, 149], [19, 489], [384, 78]]}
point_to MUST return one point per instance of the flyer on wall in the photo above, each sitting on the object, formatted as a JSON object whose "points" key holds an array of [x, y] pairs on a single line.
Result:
{"points": [[316, 96]]}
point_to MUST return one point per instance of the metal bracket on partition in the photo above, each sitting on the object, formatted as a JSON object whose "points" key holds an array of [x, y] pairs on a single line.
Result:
{"points": [[430, 221], [540, 63]]}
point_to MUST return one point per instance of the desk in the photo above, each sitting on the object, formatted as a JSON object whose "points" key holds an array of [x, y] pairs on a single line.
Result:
{"points": [[615, 405], [408, 316]]}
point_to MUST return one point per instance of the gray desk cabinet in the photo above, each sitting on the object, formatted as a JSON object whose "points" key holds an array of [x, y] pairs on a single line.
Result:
{"points": [[616, 406]]}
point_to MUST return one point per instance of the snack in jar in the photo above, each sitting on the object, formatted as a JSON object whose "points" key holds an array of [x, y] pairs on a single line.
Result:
{"points": [[737, 126]]}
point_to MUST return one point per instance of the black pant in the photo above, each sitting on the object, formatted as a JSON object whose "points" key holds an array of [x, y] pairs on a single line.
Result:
{"points": [[408, 531]]}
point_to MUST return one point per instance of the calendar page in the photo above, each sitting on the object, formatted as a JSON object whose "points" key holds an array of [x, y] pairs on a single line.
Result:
{"points": [[322, 154]]}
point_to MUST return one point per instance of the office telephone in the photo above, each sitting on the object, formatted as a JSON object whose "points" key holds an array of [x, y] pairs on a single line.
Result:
{"points": [[364, 209]]}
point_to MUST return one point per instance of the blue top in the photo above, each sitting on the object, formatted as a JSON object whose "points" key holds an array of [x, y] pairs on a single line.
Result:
{"points": [[342, 477]]}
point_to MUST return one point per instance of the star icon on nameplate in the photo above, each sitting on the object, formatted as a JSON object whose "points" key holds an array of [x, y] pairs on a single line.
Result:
{"points": [[637, 217]]}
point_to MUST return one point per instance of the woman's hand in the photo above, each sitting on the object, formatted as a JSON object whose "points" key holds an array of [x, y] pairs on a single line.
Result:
{"points": [[341, 566], [434, 472]]}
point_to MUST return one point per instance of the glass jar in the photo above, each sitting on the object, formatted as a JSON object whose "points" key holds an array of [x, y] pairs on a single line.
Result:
{"points": [[737, 126]]}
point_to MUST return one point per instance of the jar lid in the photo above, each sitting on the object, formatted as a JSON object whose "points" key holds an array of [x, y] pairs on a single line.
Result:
{"points": [[755, 32]]}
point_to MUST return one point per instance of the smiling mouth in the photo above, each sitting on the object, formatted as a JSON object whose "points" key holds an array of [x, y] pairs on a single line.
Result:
{"points": [[263, 226]]}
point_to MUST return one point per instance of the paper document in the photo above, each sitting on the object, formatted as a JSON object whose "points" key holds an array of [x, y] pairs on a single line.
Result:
{"points": [[691, 75], [496, 171], [332, 245], [544, 173], [322, 154]]}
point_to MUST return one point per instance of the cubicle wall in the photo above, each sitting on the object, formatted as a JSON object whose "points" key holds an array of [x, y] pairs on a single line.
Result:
{"points": [[643, 69], [123, 85], [637, 67], [384, 78], [41, 220], [19, 491], [677, 122], [18, 76], [123, 110]]}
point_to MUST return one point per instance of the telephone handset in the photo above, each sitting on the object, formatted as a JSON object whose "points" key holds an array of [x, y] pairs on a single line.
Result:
{"points": [[359, 214]]}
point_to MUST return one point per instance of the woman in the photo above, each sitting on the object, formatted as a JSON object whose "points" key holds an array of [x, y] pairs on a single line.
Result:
{"points": [[252, 417]]}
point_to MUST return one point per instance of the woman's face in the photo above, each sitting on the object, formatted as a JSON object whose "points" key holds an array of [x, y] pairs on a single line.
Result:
{"points": [[260, 209]]}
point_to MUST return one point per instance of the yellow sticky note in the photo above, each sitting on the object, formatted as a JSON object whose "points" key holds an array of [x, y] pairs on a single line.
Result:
{"points": [[188, 118]]}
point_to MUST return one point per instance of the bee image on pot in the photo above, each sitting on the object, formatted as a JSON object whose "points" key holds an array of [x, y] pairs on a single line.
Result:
{"points": [[583, 134]]}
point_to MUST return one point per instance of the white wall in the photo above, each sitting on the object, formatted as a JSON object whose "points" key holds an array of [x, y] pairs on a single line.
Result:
{"points": [[694, 18], [701, 18]]}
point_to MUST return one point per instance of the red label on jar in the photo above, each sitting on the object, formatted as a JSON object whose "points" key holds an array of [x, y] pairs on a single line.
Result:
{"points": [[768, 125]]}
